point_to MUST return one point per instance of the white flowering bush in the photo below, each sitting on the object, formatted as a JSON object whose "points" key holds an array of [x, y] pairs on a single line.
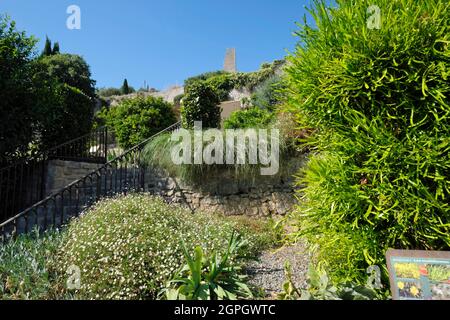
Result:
{"points": [[128, 247]]}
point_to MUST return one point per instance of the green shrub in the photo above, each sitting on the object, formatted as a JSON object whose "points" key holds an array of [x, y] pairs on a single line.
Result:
{"points": [[65, 113], [129, 247], [70, 69], [137, 119], [249, 118], [203, 77], [268, 94], [222, 85], [252, 80], [201, 103], [223, 82], [16, 93], [109, 92], [321, 288], [26, 267], [64, 99], [214, 277], [379, 103]]}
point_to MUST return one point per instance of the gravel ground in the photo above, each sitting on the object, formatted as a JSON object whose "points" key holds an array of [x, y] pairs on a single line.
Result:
{"points": [[268, 272]]}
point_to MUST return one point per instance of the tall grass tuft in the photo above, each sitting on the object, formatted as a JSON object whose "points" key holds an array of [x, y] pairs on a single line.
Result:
{"points": [[157, 154]]}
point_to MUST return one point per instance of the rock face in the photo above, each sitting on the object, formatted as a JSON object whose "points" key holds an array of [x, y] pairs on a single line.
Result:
{"points": [[222, 194]]}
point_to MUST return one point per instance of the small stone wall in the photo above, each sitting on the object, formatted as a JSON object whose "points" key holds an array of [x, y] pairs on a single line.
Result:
{"points": [[221, 194], [62, 173]]}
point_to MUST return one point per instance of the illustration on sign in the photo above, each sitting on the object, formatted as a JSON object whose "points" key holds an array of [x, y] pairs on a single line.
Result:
{"points": [[419, 275]]}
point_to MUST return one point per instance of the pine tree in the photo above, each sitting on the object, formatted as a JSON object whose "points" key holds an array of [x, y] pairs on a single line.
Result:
{"points": [[125, 88], [48, 47], [55, 48]]}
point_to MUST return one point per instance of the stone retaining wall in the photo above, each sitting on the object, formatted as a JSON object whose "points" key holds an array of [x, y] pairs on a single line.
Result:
{"points": [[62, 173], [221, 194]]}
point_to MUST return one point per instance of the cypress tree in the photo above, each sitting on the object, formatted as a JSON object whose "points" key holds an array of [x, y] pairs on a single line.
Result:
{"points": [[55, 48], [125, 88], [48, 47]]}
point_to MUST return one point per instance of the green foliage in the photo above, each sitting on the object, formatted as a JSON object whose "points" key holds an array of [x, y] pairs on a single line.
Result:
{"points": [[26, 271], [321, 288], [130, 247], [109, 92], [16, 93], [71, 70], [47, 48], [209, 278], [222, 85], [252, 80], [56, 49], [125, 88], [63, 111], [137, 119], [252, 118], [268, 94], [203, 77], [201, 103], [379, 103], [223, 82]]}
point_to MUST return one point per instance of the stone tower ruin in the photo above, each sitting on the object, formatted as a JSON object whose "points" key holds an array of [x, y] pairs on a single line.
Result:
{"points": [[230, 60]]}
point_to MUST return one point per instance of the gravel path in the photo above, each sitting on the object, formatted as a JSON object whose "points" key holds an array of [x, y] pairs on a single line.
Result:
{"points": [[268, 272]]}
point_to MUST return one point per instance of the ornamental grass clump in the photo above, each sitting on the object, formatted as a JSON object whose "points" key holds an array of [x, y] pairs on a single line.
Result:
{"points": [[130, 246], [377, 97]]}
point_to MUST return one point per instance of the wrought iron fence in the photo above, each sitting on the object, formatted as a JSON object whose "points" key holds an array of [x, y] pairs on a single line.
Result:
{"points": [[23, 183], [124, 174]]}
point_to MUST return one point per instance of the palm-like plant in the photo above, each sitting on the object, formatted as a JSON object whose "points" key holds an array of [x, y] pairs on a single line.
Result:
{"points": [[209, 278]]}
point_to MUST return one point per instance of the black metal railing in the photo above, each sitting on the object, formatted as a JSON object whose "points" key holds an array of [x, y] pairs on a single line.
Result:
{"points": [[125, 174], [23, 183]]}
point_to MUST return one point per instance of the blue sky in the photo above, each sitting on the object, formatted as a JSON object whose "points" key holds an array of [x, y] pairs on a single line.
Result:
{"points": [[163, 42]]}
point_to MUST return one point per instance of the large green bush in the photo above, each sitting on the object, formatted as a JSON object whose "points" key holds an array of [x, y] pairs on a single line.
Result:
{"points": [[137, 119], [379, 103], [16, 91], [44, 100], [64, 99], [201, 103], [129, 247], [70, 69], [252, 118]]}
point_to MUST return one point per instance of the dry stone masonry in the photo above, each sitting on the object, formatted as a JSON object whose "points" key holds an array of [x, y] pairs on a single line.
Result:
{"points": [[226, 195]]}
